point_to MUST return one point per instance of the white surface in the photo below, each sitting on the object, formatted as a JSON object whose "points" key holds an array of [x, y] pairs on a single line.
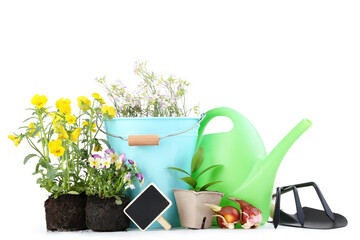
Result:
{"points": [[276, 62]]}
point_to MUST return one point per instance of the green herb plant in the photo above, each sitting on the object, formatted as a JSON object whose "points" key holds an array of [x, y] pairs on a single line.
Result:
{"points": [[196, 163], [155, 96]]}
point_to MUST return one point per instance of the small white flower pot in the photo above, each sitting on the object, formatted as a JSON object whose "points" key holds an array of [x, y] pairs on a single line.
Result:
{"points": [[192, 212]]}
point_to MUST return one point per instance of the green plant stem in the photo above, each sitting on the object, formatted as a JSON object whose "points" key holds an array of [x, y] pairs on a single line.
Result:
{"points": [[119, 184], [67, 160], [44, 133], [34, 147], [62, 169]]}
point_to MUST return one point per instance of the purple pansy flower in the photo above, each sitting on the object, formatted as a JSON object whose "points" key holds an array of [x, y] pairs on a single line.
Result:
{"points": [[139, 176], [131, 161], [96, 156], [110, 150], [127, 176], [122, 157]]}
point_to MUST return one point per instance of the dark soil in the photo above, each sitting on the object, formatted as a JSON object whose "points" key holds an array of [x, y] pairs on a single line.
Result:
{"points": [[66, 213], [103, 215]]}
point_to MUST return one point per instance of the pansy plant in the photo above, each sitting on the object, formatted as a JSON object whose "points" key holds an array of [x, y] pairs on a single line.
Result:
{"points": [[111, 175]]}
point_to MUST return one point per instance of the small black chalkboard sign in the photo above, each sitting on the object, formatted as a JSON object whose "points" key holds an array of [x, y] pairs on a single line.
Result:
{"points": [[148, 207]]}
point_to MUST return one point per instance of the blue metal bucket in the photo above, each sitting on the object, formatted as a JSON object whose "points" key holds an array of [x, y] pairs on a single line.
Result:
{"points": [[153, 161]]}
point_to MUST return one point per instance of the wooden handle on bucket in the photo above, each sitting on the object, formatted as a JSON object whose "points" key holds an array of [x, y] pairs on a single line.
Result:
{"points": [[143, 140]]}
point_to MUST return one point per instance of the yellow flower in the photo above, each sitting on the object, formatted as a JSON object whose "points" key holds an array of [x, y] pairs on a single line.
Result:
{"points": [[64, 106], [71, 119], [75, 135], [32, 128], [56, 148], [86, 124], [63, 134], [39, 101], [97, 148], [15, 139], [84, 103], [98, 97], [55, 144], [93, 128], [108, 110], [56, 118]]}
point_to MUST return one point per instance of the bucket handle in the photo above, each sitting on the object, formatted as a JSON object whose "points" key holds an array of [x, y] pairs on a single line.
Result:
{"points": [[149, 140]]}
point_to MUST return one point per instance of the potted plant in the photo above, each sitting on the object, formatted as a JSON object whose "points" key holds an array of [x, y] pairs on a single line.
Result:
{"points": [[190, 203], [61, 143], [110, 177], [157, 109]]}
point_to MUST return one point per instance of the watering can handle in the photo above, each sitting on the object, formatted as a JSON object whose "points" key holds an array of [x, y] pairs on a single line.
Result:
{"points": [[149, 140], [218, 112]]}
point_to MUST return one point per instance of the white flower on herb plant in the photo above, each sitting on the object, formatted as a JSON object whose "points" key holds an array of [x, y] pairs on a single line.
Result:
{"points": [[155, 96]]}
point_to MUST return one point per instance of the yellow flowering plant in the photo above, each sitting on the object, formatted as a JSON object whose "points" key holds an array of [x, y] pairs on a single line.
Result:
{"points": [[63, 141]]}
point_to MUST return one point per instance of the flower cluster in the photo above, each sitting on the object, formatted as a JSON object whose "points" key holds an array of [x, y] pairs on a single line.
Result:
{"points": [[156, 96], [112, 174], [63, 141]]}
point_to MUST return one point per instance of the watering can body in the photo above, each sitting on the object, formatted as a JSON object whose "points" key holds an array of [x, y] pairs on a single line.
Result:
{"points": [[248, 173]]}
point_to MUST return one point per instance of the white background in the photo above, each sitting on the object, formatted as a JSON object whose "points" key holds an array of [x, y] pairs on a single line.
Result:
{"points": [[276, 62]]}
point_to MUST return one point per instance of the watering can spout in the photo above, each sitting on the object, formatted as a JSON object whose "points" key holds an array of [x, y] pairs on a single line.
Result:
{"points": [[273, 160], [260, 181], [267, 168]]}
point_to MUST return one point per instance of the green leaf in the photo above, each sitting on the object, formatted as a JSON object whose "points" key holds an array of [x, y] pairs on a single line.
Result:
{"points": [[208, 185], [54, 188], [76, 148], [36, 131], [180, 170], [106, 142], [73, 193], [118, 201], [51, 174], [28, 157], [29, 119], [207, 169], [197, 159], [189, 180], [44, 163]]}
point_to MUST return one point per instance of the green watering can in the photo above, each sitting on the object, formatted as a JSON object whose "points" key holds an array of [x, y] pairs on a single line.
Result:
{"points": [[248, 173]]}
